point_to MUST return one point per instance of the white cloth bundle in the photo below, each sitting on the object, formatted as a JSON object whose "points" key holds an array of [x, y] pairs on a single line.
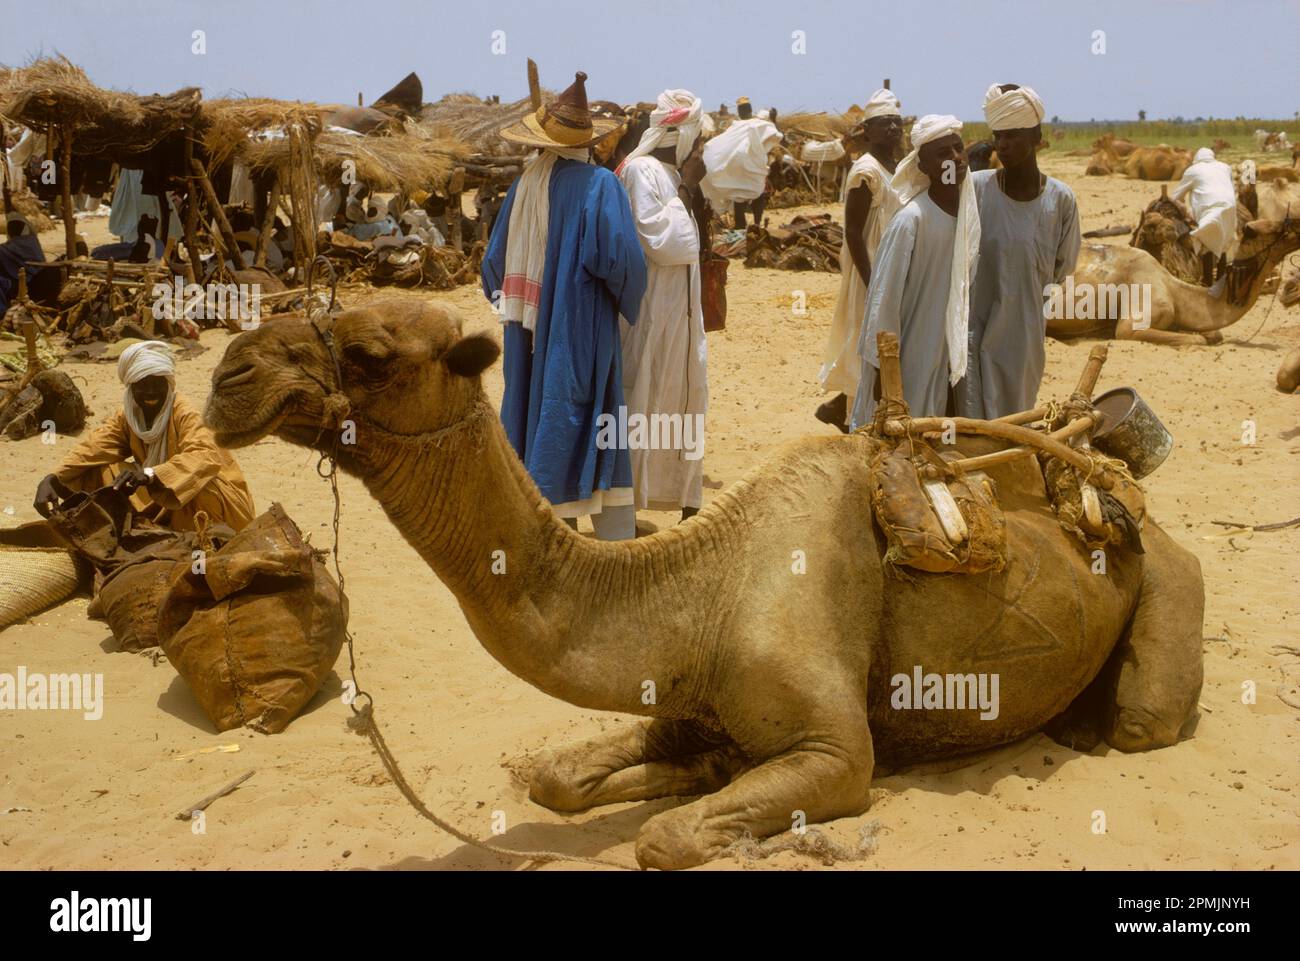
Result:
{"points": [[530, 218], [149, 358], [675, 121], [1018, 109], [909, 182], [822, 151], [736, 161]]}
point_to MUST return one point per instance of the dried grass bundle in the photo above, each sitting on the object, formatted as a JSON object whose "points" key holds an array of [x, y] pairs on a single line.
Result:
{"points": [[477, 123], [422, 160], [827, 125]]}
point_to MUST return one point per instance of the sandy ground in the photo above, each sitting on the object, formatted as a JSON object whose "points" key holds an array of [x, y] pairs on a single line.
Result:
{"points": [[103, 794]]}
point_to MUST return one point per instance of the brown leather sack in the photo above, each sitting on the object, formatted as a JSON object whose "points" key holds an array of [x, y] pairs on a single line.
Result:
{"points": [[713, 290], [131, 597], [913, 533], [134, 560], [257, 632]]}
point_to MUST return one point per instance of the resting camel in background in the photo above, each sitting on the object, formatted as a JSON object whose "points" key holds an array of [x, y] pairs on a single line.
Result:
{"points": [[1179, 312], [770, 680]]}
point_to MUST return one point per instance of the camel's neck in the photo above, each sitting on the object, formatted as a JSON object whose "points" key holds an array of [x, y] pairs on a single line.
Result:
{"points": [[524, 580], [1201, 308]]}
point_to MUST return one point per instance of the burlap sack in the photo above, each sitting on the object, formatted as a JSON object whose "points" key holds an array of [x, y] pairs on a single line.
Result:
{"points": [[258, 631], [914, 536]]}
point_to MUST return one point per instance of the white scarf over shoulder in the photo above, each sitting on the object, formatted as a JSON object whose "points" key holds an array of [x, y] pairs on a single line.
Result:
{"points": [[910, 183], [530, 218], [149, 358]]}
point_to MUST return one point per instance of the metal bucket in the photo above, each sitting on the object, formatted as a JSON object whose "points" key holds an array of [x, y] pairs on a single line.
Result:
{"points": [[1131, 431]]}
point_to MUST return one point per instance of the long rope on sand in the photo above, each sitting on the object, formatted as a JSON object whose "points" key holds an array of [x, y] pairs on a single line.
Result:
{"points": [[363, 722]]}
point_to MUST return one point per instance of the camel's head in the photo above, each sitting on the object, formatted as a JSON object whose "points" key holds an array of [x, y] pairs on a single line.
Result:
{"points": [[405, 369], [1273, 239]]}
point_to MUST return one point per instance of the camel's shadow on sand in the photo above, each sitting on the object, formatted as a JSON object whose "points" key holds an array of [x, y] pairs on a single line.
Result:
{"points": [[980, 772], [590, 838]]}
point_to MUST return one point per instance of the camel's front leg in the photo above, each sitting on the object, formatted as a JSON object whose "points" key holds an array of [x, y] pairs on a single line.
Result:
{"points": [[1124, 330], [637, 762], [1154, 676], [814, 781]]}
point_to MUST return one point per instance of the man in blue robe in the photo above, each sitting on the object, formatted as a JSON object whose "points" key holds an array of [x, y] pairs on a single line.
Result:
{"points": [[563, 263]]}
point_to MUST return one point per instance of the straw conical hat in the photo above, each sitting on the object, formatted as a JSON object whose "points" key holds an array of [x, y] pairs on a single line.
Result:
{"points": [[565, 122]]}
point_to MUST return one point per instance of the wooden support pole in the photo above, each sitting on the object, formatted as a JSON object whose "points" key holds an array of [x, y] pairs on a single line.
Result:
{"points": [[223, 225], [1013, 453], [1012, 432], [268, 224], [65, 181], [1092, 370], [191, 208]]}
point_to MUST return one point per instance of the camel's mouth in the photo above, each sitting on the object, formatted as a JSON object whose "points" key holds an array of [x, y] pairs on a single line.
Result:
{"points": [[241, 431]]}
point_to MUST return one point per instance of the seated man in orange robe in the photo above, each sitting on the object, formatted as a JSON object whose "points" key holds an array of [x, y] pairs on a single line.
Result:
{"points": [[178, 468]]}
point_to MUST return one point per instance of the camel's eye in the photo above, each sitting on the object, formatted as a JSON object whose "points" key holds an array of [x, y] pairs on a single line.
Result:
{"points": [[365, 363]]}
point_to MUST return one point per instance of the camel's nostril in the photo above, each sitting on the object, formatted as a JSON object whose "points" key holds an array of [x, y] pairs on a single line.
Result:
{"points": [[234, 376]]}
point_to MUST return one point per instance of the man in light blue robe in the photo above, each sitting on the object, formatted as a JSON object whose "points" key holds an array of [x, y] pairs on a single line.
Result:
{"points": [[566, 372], [1029, 239]]}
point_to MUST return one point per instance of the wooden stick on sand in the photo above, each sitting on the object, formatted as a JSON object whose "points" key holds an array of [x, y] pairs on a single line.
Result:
{"points": [[187, 813]]}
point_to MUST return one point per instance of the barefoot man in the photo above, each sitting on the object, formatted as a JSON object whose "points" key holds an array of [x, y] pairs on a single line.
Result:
{"points": [[869, 202], [665, 357], [1029, 240], [920, 286]]}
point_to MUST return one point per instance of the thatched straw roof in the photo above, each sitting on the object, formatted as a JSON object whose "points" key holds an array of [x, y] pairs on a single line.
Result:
{"points": [[423, 160], [479, 124], [104, 122], [227, 124]]}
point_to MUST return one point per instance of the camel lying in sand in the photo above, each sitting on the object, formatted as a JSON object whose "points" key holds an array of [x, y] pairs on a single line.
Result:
{"points": [[1157, 163], [1288, 375], [1177, 312], [1161, 162], [766, 690]]}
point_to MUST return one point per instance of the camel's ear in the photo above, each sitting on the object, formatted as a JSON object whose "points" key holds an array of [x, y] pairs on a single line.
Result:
{"points": [[471, 355]]}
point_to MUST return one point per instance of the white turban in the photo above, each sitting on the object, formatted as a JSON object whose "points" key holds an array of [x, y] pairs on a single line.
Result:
{"points": [[675, 121], [883, 103], [149, 358], [1017, 109], [909, 182], [1202, 155]]}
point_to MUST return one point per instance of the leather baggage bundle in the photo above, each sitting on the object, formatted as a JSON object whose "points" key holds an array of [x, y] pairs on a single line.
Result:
{"points": [[256, 632], [933, 518]]}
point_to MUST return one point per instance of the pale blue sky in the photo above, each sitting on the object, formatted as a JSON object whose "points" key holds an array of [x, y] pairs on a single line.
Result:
{"points": [[1218, 58]]}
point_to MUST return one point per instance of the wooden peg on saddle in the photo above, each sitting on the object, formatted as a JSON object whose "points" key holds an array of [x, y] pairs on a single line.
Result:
{"points": [[891, 372]]}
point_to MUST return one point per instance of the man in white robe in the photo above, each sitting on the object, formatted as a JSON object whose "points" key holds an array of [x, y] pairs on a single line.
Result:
{"points": [[1029, 240], [665, 369], [870, 201], [736, 163], [920, 284], [1213, 203]]}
